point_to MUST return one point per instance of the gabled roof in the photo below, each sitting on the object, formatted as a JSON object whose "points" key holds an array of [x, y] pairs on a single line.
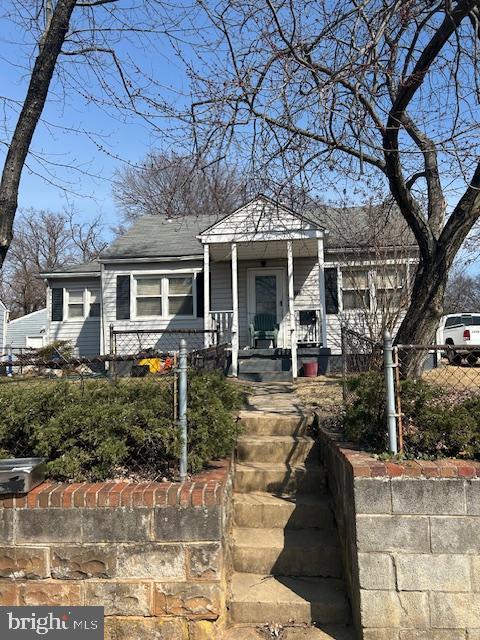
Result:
{"points": [[260, 215]]}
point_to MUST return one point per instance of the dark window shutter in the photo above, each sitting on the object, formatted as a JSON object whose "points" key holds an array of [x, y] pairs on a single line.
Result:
{"points": [[123, 297], [331, 291], [200, 290], [57, 305]]}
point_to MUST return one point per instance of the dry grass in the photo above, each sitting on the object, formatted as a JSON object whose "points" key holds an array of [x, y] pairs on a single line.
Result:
{"points": [[453, 378], [323, 392]]}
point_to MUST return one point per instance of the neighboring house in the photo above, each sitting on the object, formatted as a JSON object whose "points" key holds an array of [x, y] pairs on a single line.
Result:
{"points": [[4, 313], [309, 271], [28, 331]]}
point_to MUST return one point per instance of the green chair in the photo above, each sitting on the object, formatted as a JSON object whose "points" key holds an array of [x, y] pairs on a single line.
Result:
{"points": [[263, 327]]}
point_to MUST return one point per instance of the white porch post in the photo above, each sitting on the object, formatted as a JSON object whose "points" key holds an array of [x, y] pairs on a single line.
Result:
{"points": [[291, 310], [207, 324], [235, 336], [321, 286]]}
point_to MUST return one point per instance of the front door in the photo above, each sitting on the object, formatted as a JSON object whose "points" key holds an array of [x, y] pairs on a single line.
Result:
{"points": [[266, 294]]}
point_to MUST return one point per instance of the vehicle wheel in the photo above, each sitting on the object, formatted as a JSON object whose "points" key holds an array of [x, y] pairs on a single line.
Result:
{"points": [[472, 359], [454, 357]]}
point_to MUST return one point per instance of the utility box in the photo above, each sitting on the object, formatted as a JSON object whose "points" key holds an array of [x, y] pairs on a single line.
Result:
{"points": [[21, 475]]}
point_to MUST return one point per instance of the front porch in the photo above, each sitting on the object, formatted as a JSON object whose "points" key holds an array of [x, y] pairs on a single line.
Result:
{"points": [[265, 265]]}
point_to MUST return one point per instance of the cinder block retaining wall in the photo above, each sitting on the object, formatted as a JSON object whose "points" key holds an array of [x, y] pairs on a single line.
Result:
{"points": [[411, 543], [151, 553]]}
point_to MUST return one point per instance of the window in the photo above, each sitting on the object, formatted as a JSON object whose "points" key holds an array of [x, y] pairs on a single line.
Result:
{"points": [[149, 296], [180, 296], [389, 281], [164, 295], [94, 301], [75, 303], [82, 303], [355, 289]]}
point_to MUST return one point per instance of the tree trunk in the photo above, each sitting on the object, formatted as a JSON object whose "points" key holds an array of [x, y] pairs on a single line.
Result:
{"points": [[424, 312], [28, 119]]}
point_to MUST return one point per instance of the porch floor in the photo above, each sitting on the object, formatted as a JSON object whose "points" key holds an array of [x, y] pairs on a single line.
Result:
{"points": [[273, 365]]}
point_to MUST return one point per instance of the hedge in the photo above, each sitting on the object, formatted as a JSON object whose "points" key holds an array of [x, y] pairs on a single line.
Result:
{"points": [[435, 425], [96, 430]]}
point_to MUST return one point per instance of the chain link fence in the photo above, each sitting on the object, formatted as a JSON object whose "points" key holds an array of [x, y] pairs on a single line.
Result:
{"points": [[130, 398], [418, 381]]}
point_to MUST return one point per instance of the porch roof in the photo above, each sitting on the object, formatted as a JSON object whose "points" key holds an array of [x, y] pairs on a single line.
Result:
{"points": [[261, 220]]}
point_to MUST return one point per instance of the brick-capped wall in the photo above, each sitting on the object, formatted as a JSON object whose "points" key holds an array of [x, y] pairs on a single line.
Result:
{"points": [[151, 553], [411, 543]]}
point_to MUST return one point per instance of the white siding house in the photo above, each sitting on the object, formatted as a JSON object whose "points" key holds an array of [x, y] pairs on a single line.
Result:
{"points": [[200, 273]]}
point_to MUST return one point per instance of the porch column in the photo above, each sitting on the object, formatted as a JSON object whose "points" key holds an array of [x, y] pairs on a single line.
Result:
{"points": [[321, 286], [291, 309], [235, 336], [207, 324]]}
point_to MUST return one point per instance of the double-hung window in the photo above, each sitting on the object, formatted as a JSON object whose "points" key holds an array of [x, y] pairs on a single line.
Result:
{"points": [[355, 290], [75, 304], [180, 296], [389, 283], [82, 303], [164, 296], [149, 298]]}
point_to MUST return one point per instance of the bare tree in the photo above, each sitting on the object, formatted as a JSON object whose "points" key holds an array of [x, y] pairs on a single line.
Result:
{"points": [[176, 185], [463, 293], [44, 241], [81, 49], [373, 88]]}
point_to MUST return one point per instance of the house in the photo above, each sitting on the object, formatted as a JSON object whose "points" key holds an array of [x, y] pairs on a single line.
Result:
{"points": [[311, 272], [28, 331]]}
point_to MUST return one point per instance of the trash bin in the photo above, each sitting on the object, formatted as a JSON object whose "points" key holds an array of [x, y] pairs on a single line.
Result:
{"points": [[310, 369]]}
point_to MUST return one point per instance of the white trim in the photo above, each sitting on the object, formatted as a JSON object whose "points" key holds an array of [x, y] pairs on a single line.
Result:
{"points": [[291, 309], [206, 295], [282, 294], [298, 234], [77, 274], [164, 295], [321, 286], [235, 326]]}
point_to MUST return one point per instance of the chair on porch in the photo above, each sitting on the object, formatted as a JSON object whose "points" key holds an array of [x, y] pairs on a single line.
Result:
{"points": [[263, 327]]}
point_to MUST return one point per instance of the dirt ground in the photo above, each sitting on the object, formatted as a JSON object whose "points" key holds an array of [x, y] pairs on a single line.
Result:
{"points": [[455, 378]]}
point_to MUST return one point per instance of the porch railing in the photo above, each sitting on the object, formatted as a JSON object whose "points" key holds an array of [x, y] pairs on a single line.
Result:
{"points": [[222, 323], [308, 326]]}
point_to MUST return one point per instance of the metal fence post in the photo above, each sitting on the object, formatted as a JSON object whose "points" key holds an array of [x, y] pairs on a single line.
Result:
{"points": [[10, 361], [182, 406], [389, 384]]}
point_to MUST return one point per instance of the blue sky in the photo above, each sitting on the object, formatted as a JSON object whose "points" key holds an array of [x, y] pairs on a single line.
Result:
{"points": [[90, 160]]}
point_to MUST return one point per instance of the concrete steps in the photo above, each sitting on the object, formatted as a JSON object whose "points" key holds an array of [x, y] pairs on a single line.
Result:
{"points": [[279, 478], [262, 598], [290, 552], [284, 449], [263, 510], [285, 551], [274, 424]]}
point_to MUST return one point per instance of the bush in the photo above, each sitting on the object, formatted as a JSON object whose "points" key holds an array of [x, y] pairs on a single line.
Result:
{"points": [[98, 430], [433, 425]]}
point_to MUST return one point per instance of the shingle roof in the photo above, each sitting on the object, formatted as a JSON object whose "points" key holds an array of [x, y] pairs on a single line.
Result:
{"points": [[158, 236], [162, 237]]}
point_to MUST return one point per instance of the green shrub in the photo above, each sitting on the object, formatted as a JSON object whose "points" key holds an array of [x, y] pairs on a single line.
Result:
{"points": [[98, 430], [433, 424]]}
